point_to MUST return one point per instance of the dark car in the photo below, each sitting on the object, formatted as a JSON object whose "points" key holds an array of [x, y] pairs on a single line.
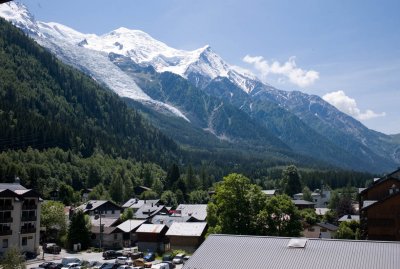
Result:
{"points": [[149, 257], [29, 255], [56, 266], [167, 257], [51, 248], [47, 265], [111, 254]]}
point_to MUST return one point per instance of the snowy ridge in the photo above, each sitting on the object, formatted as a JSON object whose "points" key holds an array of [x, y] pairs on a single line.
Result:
{"points": [[66, 43]]}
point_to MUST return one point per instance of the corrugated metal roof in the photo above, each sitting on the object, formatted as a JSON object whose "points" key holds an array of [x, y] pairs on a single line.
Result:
{"points": [[197, 211], [224, 251], [11, 186], [150, 228], [136, 203], [187, 228], [130, 225]]}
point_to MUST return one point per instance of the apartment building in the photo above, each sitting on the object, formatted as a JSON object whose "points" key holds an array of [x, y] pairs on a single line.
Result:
{"points": [[19, 218]]}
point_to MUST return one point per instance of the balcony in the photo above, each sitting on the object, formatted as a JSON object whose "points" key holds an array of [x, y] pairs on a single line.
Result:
{"points": [[6, 208], [7, 232], [28, 230], [28, 218], [29, 207], [6, 220]]}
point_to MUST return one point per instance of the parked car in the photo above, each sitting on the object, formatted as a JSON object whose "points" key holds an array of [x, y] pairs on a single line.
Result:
{"points": [[95, 264], [170, 264], [167, 257], [106, 265], [111, 254], [56, 266], [67, 260], [160, 266], [51, 248], [134, 253], [72, 265], [178, 258], [28, 255], [47, 265], [149, 257], [122, 260], [124, 267]]}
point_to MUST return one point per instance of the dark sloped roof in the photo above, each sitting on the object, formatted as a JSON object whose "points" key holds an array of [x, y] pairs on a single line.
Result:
{"points": [[328, 226], [12, 186], [227, 251], [147, 211], [302, 202]]}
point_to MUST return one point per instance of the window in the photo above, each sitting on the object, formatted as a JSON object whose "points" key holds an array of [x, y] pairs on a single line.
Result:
{"points": [[323, 230], [115, 236], [5, 243], [24, 241], [112, 212]]}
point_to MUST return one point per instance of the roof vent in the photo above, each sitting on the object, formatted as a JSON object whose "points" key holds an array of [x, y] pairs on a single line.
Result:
{"points": [[297, 243]]}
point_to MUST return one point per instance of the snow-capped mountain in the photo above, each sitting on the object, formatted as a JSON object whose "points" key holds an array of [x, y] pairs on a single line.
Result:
{"points": [[221, 96], [66, 43]]}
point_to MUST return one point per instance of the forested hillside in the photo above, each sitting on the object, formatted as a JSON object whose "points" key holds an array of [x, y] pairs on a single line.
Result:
{"points": [[45, 104]]}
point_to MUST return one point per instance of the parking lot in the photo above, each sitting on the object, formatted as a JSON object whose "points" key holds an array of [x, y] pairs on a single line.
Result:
{"points": [[83, 256]]}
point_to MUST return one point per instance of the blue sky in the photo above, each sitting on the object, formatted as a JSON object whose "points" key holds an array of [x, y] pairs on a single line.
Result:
{"points": [[345, 51]]}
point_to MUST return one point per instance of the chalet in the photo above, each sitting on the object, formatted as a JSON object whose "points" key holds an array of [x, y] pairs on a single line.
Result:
{"points": [[104, 234], [105, 208], [186, 235], [147, 211], [197, 211], [321, 230], [151, 237], [129, 229], [19, 218], [380, 209], [135, 203], [229, 251], [320, 198], [106, 237], [321, 211]]}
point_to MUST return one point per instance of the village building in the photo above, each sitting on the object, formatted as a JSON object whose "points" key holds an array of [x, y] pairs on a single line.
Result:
{"points": [[151, 237], [107, 209], [380, 209], [321, 230], [148, 211], [135, 203], [303, 204], [129, 229], [19, 218], [187, 236], [197, 211]]}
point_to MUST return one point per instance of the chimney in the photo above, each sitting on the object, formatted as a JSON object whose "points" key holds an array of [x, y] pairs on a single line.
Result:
{"points": [[349, 216], [17, 180]]}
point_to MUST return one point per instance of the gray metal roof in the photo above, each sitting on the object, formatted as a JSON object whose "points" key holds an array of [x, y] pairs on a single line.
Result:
{"points": [[226, 251], [197, 211], [187, 228], [269, 192], [147, 211], [130, 225], [151, 228], [12, 186]]}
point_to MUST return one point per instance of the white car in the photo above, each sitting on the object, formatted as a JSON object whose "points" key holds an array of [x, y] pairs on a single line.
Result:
{"points": [[178, 258], [123, 260], [72, 265]]}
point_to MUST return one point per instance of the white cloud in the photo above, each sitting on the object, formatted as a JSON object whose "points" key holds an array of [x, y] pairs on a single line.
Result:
{"points": [[289, 69], [348, 105]]}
